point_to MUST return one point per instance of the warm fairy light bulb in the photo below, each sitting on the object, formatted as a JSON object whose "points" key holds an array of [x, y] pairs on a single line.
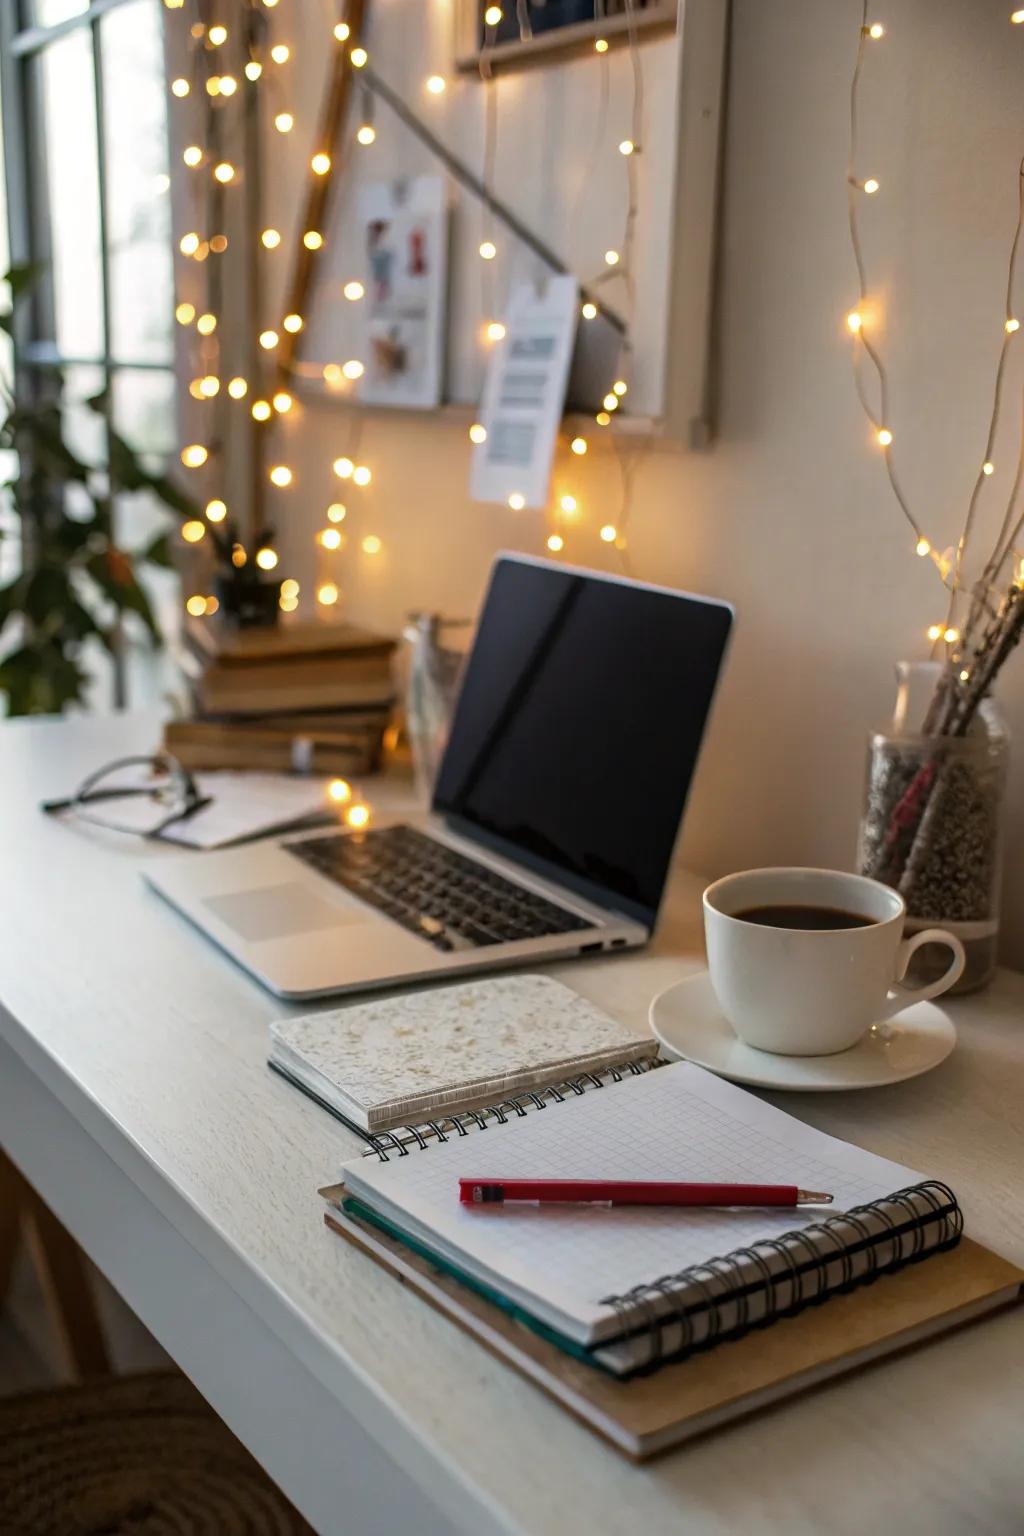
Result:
{"points": [[988, 468], [321, 163], [620, 387], [253, 69], [162, 183], [517, 501], [357, 816], [217, 35], [209, 386], [327, 593], [213, 85], [342, 31], [281, 475], [366, 133], [293, 324], [284, 122], [627, 147], [493, 15], [194, 456], [488, 250], [287, 604], [271, 239], [343, 468], [362, 475], [495, 331], [206, 324], [312, 239], [601, 45], [371, 545], [340, 791], [876, 30], [871, 186], [336, 512], [203, 251], [353, 369], [238, 556], [1012, 325], [611, 258], [289, 587], [609, 533], [555, 542], [1015, 16], [195, 389], [216, 510], [884, 437], [212, 604], [358, 57], [579, 445], [192, 156], [353, 291], [610, 402], [237, 388], [261, 410], [180, 87], [196, 606], [478, 433], [266, 558], [269, 340], [854, 321], [964, 675], [923, 547], [189, 244], [224, 172], [218, 244], [329, 538], [193, 531], [436, 85], [951, 636], [602, 418], [280, 53], [934, 631], [568, 504], [282, 402], [185, 314], [333, 376], [228, 85], [589, 311]]}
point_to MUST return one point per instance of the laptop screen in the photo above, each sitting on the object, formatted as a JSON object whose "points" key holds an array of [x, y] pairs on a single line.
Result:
{"points": [[578, 726]]}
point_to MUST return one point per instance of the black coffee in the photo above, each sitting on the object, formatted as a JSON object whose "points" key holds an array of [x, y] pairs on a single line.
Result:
{"points": [[813, 919]]}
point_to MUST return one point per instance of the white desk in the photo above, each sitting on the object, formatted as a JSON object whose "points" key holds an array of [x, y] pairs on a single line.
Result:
{"points": [[134, 1096]]}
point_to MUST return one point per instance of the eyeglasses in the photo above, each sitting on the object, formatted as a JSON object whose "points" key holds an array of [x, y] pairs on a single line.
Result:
{"points": [[134, 794]]}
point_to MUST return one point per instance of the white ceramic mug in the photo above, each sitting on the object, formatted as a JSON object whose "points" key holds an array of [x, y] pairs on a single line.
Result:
{"points": [[812, 992]]}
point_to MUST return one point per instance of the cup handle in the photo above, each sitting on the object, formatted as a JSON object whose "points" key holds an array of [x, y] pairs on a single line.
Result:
{"points": [[901, 997]]}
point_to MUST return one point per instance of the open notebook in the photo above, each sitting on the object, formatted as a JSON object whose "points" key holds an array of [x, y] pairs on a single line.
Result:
{"points": [[628, 1289]]}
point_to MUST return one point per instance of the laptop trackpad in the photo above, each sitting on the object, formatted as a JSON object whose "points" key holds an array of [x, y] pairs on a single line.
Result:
{"points": [[279, 911]]}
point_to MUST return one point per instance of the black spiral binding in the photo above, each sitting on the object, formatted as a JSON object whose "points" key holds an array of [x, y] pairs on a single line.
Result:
{"points": [[399, 1142], [680, 1314]]}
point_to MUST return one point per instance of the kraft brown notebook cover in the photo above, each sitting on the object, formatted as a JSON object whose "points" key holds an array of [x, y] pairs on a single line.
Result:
{"points": [[648, 1414]]}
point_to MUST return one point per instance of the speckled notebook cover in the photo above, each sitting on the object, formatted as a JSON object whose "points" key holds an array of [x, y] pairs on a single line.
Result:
{"points": [[405, 1059]]}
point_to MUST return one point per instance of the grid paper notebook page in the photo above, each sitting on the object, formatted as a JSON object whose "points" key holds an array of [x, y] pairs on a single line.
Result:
{"points": [[679, 1123]]}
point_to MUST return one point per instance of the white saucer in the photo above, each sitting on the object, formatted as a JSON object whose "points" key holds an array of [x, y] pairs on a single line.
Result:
{"points": [[688, 1022]]}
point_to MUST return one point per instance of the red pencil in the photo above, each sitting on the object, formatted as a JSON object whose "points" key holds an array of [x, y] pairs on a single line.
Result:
{"points": [[493, 1191]]}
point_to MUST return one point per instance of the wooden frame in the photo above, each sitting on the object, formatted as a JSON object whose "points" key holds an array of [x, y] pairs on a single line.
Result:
{"points": [[578, 37]]}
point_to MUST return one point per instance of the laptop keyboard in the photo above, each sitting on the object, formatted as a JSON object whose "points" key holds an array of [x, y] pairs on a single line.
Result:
{"points": [[434, 892]]}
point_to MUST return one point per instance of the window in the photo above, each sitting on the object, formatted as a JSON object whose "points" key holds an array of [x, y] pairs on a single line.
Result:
{"points": [[86, 161], [520, 32]]}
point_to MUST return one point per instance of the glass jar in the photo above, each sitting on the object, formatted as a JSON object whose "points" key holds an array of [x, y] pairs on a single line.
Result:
{"points": [[932, 826], [430, 669]]}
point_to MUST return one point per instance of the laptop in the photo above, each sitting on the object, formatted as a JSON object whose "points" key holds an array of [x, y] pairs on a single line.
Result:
{"points": [[559, 796]]}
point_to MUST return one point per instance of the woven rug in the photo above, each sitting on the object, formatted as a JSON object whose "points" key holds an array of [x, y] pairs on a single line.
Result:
{"points": [[131, 1456]]}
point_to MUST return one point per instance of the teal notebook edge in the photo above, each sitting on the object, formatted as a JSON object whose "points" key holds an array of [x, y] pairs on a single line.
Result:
{"points": [[353, 1207]]}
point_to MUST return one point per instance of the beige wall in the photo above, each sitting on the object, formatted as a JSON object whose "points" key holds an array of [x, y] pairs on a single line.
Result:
{"points": [[788, 515]]}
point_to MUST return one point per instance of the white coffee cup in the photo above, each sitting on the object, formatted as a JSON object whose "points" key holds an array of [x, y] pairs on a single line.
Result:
{"points": [[813, 991]]}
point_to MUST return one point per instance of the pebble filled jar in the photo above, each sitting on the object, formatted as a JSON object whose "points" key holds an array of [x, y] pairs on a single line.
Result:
{"points": [[932, 829]]}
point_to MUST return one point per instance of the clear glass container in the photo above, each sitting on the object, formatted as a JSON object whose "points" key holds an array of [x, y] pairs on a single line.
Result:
{"points": [[932, 826], [430, 670]]}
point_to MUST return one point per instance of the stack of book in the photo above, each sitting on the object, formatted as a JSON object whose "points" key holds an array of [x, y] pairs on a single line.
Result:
{"points": [[312, 698]]}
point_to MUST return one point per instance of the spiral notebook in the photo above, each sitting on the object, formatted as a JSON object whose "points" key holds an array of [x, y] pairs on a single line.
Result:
{"points": [[624, 1292]]}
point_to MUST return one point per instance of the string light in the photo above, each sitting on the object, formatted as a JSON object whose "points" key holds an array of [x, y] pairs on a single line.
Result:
{"points": [[555, 542], [871, 186], [269, 340], [280, 53], [195, 389], [589, 311], [1012, 325], [343, 468], [329, 538], [312, 240], [266, 558], [854, 320], [292, 323], [366, 134], [923, 547], [609, 533], [284, 122], [1017, 17], [884, 436], [289, 587], [602, 418], [281, 475], [357, 816], [568, 504], [495, 331], [261, 410], [353, 369], [185, 313], [517, 501], [333, 376], [964, 675], [216, 510], [934, 631], [951, 635], [213, 85], [194, 456], [492, 15], [611, 258], [282, 402], [336, 512], [237, 389], [287, 604], [627, 147], [238, 556], [610, 402], [217, 35], [362, 475], [601, 45], [876, 30], [196, 606], [206, 324], [180, 87], [620, 387], [224, 172], [189, 244], [988, 468], [193, 531], [162, 183], [253, 70], [327, 594], [371, 545], [579, 446], [358, 58], [228, 85], [321, 163], [271, 239], [353, 291], [192, 157], [488, 250], [436, 85], [340, 791], [219, 244], [209, 386], [478, 433], [342, 31], [203, 251]]}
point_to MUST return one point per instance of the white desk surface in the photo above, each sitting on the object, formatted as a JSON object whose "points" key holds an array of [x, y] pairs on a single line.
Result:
{"points": [[134, 1094]]}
